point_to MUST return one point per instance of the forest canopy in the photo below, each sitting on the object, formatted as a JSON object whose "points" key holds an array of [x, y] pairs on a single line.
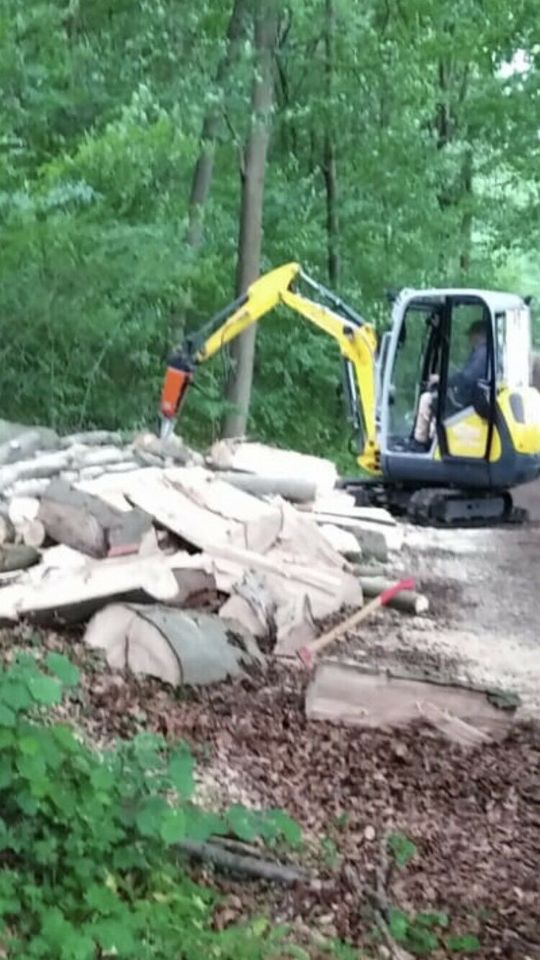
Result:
{"points": [[403, 150]]}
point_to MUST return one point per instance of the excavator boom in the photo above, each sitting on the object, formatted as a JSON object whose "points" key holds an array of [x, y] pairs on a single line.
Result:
{"points": [[356, 340]]}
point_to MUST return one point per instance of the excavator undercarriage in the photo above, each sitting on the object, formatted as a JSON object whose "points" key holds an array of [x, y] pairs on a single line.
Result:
{"points": [[438, 506]]}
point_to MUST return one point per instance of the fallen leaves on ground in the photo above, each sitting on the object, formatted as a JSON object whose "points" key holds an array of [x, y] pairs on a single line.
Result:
{"points": [[473, 817]]}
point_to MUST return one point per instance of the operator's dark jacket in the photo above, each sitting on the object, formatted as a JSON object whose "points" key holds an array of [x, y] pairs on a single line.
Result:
{"points": [[465, 380]]}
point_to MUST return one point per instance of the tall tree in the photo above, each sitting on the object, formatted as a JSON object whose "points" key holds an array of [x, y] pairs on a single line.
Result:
{"points": [[329, 149], [252, 173], [204, 167]]}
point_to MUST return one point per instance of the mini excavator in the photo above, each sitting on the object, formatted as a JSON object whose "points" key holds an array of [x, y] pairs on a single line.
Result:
{"points": [[484, 435]]}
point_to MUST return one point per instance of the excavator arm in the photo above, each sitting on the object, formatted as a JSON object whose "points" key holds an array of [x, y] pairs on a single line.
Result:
{"points": [[355, 338]]}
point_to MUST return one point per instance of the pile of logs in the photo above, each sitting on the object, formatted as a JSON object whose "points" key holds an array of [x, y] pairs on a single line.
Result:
{"points": [[183, 566], [136, 536]]}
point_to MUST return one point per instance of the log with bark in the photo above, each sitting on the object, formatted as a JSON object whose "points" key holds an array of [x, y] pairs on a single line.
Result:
{"points": [[245, 866], [294, 489], [39, 467], [177, 646], [76, 519], [409, 601], [92, 438], [262, 460], [15, 556], [88, 524], [17, 435], [171, 449]]}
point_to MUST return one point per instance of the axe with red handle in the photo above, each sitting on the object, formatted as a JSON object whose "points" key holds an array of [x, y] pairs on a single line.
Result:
{"points": [[308, 653]]}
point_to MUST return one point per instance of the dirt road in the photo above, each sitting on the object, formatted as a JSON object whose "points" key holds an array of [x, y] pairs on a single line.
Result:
{"points": [[484, 587]]}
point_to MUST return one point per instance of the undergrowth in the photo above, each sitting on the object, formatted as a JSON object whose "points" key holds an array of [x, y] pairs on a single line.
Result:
{"points": [[89, 839], [90, 846]]}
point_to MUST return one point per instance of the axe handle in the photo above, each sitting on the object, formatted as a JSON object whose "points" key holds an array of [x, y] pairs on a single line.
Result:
{"points": [[307, 652]]}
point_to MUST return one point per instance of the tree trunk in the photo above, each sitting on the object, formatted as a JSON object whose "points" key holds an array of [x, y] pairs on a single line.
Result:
{"points": [[329, 152], [467, 216], [251, 213], [204, 168]]}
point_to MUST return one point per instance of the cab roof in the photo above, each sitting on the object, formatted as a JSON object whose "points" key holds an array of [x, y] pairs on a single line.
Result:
{"points": [[496, 300]]}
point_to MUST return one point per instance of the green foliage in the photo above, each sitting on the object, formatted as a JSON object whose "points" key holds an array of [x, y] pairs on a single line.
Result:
{"points": [[87, 839], [467, 943], [422, 934], [401, 848], [101, 117]]}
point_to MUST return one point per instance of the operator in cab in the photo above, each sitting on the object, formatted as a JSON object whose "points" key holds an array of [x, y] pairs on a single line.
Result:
{"points": [[461, 387]]}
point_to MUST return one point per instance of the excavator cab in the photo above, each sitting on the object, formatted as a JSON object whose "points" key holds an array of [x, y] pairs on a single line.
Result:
{"points": [[484, 431]]}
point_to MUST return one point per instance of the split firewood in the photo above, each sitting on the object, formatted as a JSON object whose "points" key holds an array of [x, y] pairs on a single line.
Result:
{"points": [[343, 541], [376, 539], [340, 504], [408, 601], [15, 556], [74, 591], [247, 866]]}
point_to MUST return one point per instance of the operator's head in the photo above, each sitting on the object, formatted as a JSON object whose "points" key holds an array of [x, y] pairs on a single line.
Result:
{"points": [[478, 332]]}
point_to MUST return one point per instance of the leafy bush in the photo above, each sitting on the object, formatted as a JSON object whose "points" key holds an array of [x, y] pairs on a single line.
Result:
{"points": [[88, 839], [85, 319]]}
